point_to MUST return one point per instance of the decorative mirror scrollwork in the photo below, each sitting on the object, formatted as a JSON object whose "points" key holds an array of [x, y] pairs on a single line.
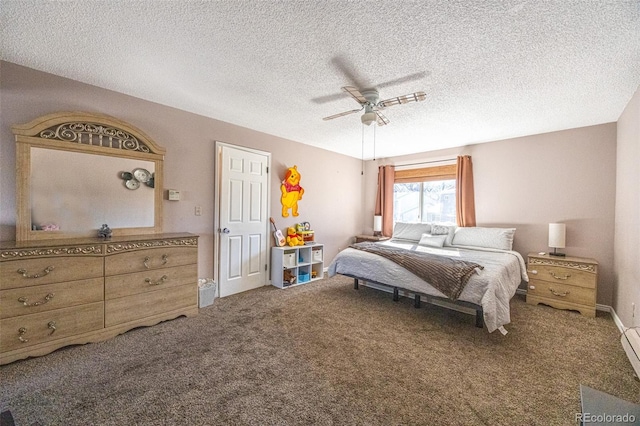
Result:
{"points": [[94, 134], [93, 149]]}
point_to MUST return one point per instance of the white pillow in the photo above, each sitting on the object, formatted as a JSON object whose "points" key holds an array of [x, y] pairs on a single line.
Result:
{"points": [[410, 231], [444, 230], [497, 238], [432, 240]]}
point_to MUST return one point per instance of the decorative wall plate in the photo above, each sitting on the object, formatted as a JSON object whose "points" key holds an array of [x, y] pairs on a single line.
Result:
{"points": [[132, 184], [142, 175], [151, 182]]}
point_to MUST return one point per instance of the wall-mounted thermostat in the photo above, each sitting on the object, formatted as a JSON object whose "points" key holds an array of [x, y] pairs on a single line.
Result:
{"points": [[174, 195]]}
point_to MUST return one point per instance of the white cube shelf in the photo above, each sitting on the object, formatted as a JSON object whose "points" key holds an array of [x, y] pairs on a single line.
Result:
{"points": [[305, 263]]}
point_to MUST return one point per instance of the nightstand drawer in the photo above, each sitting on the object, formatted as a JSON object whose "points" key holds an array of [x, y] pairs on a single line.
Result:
{"points": [[562, 292], [562, 275]]}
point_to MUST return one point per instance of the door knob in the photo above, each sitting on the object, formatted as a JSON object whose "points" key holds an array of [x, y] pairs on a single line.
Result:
{"points": [[226, 231]]}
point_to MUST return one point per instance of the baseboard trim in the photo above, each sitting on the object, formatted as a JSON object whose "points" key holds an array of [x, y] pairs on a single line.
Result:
{"points": [[616, 320]]}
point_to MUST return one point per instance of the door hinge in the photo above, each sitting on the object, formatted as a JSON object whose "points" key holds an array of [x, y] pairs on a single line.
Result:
{"points": [[265, 266], [267, 169]]}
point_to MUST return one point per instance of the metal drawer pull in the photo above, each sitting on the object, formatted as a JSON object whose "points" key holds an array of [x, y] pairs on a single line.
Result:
{"points": [[52, 327], [147, 259], [566, 277], [160, 281], [533, 272], [46, 270], [21, 332], [555, 293], [25, 301]]}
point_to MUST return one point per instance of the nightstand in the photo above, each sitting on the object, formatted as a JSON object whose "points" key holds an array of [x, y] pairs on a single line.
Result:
{"points": [[563, 282], [361, 238]]}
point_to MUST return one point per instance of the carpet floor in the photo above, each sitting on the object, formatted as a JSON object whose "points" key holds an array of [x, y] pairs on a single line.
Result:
{"points": [[327, 354]]}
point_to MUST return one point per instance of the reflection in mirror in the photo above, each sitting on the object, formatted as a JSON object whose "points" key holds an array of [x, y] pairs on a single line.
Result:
{"points": [[76, 192]]}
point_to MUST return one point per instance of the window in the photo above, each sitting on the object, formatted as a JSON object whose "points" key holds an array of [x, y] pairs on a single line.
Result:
{"points": [[425, 195]]}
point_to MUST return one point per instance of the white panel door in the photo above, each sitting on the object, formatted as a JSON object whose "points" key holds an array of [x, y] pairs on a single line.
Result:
{"points": [[244, 221]]}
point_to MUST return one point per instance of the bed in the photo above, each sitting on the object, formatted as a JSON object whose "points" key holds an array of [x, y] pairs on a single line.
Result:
{"points": [[488, 290]]}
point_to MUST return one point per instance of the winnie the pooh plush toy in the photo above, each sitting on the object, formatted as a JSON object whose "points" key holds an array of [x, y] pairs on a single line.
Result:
{"points": [[293, 238], [291, 192]]}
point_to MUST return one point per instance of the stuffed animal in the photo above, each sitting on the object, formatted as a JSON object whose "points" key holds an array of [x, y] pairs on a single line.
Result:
{"points": [[288, 278], [293, 238], [291, 192]]}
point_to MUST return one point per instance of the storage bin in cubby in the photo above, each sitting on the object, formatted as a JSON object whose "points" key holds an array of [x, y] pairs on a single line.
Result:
{"points": [[316, 254], [303, 277]]}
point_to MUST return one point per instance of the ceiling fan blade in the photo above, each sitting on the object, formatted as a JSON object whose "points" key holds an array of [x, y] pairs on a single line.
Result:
{"points": [[381, 119], [342, 114], [411, 77], [405, 99], [355, 93]]}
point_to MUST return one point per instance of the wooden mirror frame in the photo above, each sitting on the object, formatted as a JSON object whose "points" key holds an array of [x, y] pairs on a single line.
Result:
{"points": [[88, 133]]}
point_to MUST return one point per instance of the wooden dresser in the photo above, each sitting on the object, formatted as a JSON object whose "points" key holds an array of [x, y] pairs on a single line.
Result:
{"points": [[61, 292], [563, 282]]}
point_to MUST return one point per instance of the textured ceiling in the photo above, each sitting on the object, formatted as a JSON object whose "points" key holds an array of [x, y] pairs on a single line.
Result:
{"points": [[490, 69]]}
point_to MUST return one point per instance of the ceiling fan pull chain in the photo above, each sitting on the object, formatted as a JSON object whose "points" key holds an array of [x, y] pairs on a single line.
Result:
{"points": [[374, 142]]}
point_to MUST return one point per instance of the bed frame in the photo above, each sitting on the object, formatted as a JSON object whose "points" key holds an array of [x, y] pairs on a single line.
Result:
{"points": [[417, 298]]}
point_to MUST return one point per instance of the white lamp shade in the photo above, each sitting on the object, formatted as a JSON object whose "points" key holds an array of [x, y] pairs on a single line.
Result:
{"points": [[377, 223], [557, 232]]}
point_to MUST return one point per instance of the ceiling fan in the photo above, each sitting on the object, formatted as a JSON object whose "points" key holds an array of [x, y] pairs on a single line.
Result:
{"points": [[369, 100]]}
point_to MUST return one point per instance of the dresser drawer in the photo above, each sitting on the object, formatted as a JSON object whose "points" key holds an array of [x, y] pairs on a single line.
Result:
{"points": [[33, 299], [562, 292], [140, 282], [138, 306], [562, 275], [44, 327], [30, 272], [149, 259]]}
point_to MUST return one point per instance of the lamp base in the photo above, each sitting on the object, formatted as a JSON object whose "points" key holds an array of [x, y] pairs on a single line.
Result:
{"points": [[555, 253], [377, 233]]}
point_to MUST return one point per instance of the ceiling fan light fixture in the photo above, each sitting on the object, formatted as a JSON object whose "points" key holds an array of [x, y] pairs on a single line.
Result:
{"points": [[368, 118]]}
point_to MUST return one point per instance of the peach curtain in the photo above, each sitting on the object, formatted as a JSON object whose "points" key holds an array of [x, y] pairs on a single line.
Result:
{"points": [[465, 200], [384, 198]]}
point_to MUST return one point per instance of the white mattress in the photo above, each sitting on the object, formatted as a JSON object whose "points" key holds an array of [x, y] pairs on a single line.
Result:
{"points": [[492, 287]]}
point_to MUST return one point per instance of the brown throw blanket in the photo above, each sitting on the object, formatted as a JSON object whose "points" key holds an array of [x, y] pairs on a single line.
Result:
{"points": [[444, 273]]}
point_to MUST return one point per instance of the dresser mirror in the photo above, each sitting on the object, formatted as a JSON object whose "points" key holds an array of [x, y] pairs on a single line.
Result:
{"points": [[78, 171]]}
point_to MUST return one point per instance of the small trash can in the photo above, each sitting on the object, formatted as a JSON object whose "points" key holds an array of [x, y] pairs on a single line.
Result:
{"points": [[207, 292]]}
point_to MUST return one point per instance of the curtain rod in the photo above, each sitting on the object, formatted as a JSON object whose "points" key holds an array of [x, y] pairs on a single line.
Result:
{"points": [[424, 162]]}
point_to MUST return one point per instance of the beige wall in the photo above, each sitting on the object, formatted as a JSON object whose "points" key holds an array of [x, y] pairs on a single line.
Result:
{"points": [[332, 182], [627, 233], [567, 176], [528, 182]]}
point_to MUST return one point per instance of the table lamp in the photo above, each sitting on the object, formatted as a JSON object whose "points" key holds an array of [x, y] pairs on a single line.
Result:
{"points": [[377, 225], [557, 233]]}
